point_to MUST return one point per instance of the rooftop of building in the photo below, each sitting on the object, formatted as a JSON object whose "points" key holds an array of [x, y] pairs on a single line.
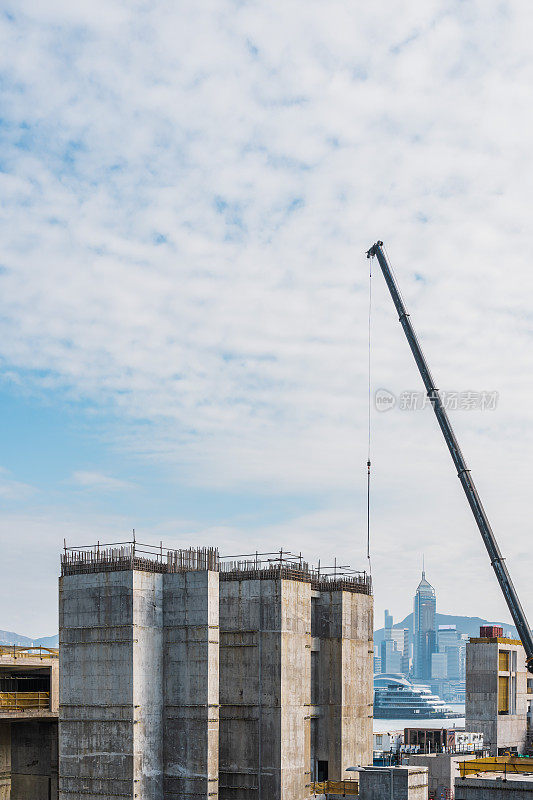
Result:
{"points": [[282, 564], [494, 640]]}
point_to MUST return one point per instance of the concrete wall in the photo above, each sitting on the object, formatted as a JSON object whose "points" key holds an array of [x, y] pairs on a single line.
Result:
{"points": [[139, 685], [393, 783], [264, 664], [191, 684], [96, 722], [481, 701], [443, 769], [34, 760], [493, 789], [5, 760], [345, 631]]}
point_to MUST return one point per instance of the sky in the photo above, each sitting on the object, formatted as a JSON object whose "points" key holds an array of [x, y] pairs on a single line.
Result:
{"points": [[187, 192]]}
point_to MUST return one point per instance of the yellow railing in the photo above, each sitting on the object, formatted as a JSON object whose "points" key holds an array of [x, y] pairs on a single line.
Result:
{"points": [[343, 788], [506, 764], [17, 651], [23, 701]]}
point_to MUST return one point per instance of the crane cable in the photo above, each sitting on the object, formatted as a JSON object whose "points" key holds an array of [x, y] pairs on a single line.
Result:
{"points": [[368, 462]]}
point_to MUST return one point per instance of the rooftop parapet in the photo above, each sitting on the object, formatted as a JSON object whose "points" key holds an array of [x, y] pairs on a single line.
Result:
{"points": [[120, 556]]}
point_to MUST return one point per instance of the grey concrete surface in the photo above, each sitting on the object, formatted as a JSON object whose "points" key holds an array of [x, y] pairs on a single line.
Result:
{"points": [[500, 731], [34, 760], [5, 760], [393, 783], [191, 684], [515, 787], [443, 769]]}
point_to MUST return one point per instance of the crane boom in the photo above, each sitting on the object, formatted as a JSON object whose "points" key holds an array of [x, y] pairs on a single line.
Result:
{"points": [[496, 559]]}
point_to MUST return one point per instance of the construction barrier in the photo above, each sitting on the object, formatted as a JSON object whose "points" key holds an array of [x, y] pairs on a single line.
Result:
{"points": [[23, 701], [343, 788], [512, 765]]}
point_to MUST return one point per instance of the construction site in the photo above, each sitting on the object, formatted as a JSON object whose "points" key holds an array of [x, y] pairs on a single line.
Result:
{"points": [[185, 675]]}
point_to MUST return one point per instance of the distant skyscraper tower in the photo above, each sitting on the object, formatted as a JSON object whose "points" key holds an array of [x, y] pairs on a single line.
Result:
{"points": [[424, 629]]}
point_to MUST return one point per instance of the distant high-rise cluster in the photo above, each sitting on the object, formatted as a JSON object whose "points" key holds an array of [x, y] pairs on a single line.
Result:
{"points": [[449, 660], [394, 651]]}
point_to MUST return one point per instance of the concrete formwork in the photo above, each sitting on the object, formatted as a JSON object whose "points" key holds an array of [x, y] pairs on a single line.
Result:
{"points": [[500, 730], [191, 685]]}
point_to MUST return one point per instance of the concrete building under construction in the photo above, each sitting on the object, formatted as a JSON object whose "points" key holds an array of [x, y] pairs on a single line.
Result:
{"points": [[184, 675], [497, 698], [29, 701]]}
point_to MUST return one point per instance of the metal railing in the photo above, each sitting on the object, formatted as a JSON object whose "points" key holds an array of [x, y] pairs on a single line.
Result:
{"points": [[507, 765], [114, 556], [28, 651], [24, 701], [344, 788]]}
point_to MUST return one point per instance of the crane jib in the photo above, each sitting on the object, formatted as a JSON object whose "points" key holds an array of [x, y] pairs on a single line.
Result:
{"points": [[496, 559]]}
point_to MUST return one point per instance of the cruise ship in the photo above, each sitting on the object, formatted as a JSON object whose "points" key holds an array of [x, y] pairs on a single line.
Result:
{"points": [[395, 697]]}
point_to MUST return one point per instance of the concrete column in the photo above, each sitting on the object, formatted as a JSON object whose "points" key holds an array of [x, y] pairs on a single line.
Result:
{"points": [[295, 684], [191, 685], [147, 685]]}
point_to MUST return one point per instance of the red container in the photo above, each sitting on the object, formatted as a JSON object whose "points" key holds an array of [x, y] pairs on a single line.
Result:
{"points": [[490, 632]]}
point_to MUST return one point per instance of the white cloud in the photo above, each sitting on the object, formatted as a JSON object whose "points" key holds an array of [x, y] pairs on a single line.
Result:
{"points": [[99, 482], [189, 191], [11, 489]]}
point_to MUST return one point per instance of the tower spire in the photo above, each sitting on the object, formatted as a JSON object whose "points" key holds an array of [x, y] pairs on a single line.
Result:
{"points": [[423, 567]]}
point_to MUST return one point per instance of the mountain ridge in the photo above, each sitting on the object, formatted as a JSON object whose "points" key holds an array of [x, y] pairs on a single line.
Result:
{"points": [[10, 637]]}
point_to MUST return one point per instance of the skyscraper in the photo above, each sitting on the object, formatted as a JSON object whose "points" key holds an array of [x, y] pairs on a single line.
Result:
{"points": [[424, 629], [394, 647]]}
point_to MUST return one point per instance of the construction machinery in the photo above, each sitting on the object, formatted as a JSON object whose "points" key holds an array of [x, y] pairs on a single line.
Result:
{"points": [[496, 559]]}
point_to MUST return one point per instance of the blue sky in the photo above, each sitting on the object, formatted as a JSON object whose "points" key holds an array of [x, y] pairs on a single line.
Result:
{"points": [[186, 195]]}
